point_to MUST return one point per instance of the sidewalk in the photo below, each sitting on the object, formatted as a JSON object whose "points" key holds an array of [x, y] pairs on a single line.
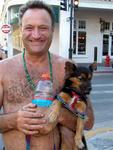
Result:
{"points": [[101, 141], [103, 69], [100, 137]]}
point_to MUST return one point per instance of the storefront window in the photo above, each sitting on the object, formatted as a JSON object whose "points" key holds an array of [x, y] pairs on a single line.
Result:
{"points": [[79, 37], [74, 42], [81, 43], [112, 45], [106, 26], [82, 24], [105, 44]]}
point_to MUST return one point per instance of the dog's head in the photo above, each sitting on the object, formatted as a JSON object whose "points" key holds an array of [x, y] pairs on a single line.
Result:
{"points": [[78, 77]]}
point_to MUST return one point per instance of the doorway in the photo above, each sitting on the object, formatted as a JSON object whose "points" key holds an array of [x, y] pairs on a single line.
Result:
{"points": [[107, 45]]}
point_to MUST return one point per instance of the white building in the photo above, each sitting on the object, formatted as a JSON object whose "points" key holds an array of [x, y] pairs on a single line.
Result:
{"points": [[92, 29]]}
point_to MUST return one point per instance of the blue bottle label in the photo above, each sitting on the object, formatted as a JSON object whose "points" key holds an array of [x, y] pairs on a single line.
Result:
{"points": [[42, 102]]}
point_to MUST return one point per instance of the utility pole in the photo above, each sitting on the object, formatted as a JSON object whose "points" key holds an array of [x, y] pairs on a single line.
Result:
{"points": [[73, 4]]}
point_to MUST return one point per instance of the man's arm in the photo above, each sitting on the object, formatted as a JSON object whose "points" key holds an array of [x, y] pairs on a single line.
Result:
{"points": [[90, 116], [7, 122], [68, 119], [28, 122]]}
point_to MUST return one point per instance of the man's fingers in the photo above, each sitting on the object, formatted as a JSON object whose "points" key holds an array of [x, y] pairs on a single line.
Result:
{"points": [[34, 121], [28, 132], [32, 127], [29, 109], [30, 114], [30, 106]]}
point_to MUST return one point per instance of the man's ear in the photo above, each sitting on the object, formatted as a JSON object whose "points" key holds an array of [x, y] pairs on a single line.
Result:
{"points": [[69, 68]]}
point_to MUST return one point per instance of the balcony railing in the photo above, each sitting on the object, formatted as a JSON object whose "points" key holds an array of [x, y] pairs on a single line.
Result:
{"points": [[96, 1], [99, 4]]}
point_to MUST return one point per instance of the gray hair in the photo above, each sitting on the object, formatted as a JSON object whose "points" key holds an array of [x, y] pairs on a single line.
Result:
{"points": [[32, 4]]}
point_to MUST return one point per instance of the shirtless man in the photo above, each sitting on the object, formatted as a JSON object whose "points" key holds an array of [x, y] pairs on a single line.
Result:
{"points": [[20, 118]]}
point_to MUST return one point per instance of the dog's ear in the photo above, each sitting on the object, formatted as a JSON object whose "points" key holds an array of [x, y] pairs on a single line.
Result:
{"points": [[93, 66], [69, 68]]}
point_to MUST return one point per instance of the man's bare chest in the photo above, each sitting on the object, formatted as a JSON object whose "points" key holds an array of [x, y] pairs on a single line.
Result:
{"points": [[17, 90]]}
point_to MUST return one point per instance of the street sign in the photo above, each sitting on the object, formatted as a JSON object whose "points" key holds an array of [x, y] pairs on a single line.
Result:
{"points": [[6, 28]]}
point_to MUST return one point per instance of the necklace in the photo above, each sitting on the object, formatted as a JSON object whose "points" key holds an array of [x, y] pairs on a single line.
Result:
{"points": [[28, 77]]}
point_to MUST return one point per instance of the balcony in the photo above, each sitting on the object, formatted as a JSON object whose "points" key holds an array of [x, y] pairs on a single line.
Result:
{"points": [[99, 4], [96, 1]]}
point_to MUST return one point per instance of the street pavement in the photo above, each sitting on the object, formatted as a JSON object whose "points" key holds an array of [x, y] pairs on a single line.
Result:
{"points": [[101, 136], [1, 142]]}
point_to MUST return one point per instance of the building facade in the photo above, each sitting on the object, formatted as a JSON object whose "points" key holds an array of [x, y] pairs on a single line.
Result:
{"points": [[92, 29]]}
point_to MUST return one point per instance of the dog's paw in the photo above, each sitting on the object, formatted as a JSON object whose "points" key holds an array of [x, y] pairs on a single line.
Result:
{"points": [[81, 146], [54, 111], [79, 143], [52, 117]]}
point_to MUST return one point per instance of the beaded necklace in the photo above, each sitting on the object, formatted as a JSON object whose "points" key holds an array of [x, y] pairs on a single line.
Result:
{"points": [[28, 77]]}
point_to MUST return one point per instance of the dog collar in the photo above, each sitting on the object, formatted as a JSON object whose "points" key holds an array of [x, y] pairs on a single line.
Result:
{"points": [[79, 95], [70, 108]]}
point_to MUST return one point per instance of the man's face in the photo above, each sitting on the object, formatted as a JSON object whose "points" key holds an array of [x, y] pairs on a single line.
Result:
{"points": [[37, 30]]}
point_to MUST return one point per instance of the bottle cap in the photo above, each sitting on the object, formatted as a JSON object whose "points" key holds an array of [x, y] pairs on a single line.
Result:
{"points": [[45, 76]]}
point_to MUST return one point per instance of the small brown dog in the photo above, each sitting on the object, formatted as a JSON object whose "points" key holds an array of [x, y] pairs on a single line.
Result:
{"points": [[73, 96]]}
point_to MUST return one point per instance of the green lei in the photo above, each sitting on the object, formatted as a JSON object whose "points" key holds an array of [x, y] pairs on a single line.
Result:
{"points": [[28, 77]]}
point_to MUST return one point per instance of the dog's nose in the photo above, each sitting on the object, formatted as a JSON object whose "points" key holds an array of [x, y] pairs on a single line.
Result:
{"points": [[89, 88]]}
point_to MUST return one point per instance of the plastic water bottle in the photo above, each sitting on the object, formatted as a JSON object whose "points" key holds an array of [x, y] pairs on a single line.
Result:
{"points": [[43, 96]]}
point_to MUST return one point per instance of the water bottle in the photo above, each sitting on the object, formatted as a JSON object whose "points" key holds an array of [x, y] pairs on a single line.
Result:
{"points": [[43, 96]]}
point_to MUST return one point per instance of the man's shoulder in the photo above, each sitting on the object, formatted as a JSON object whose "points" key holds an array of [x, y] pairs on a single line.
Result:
{"points": [[59, 59], [9, 62]]}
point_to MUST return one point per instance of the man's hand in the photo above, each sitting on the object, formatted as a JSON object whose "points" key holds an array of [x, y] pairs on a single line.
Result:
{"points": [[32, 120], [29, 120]]}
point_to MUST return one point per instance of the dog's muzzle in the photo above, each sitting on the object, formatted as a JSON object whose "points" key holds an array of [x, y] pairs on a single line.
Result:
{"points": [[88, 90]]}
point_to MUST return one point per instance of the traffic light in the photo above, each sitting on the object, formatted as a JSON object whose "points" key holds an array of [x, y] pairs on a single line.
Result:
{"points": [[63, 5], [76, 2]]}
